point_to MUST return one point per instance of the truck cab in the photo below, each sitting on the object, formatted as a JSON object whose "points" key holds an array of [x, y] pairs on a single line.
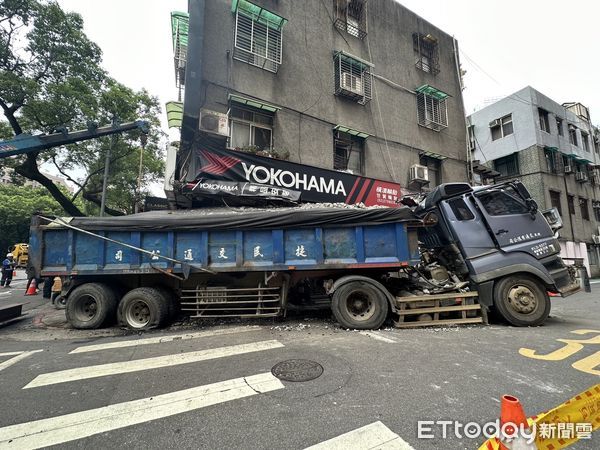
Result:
{"points": [[496, 238]]}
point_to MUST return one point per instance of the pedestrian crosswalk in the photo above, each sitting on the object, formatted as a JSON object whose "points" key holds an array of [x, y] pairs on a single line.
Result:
{"points": [[63, 428]]}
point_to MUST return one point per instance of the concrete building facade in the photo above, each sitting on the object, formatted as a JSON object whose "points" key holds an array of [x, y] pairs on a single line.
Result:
{"points": [[553, 148], [363, 86]]}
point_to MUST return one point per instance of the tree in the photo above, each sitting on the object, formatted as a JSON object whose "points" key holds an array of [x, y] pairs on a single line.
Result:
{"points": [[50, 76], [17, 205]]}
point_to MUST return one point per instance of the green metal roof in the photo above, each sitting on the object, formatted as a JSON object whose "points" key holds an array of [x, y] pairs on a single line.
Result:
{"points": [[551, 149], [258, 13], [433, 92], [351, 131], [180, 22], [174, 114], [254, 103], [352, 59], [433, 155]]}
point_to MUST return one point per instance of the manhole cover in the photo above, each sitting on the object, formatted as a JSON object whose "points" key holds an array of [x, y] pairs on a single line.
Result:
{"points": [[297, 370]]}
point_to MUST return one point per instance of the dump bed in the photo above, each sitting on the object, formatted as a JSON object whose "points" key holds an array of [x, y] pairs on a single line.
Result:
{"points": [[226, 241]]}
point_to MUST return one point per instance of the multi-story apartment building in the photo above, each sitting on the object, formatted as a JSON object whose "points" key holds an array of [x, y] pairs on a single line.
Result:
{"points": [[352, 85], [553, 148]]}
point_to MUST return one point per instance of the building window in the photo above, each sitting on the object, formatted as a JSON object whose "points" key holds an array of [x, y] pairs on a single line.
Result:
{"points": [[250, 129], [559, 126], [501, 127], [544, 121], [596, 208], [258, 35], [507, 166], [571, 204], [348, 153], [472, 140], [352, 78], [434, 167], [585, 142], [351, 17], [555, 201], [553, 160], [426, 52], [573, 134], [597, 143], [432, 110], [583, 205]]}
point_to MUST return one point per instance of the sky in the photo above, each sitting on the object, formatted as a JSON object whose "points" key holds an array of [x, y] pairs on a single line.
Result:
{"points": [[504, 46]]}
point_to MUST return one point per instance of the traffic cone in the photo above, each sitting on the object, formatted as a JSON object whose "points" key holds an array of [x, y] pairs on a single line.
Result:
{"points": [[32, 289], [511, 412]]}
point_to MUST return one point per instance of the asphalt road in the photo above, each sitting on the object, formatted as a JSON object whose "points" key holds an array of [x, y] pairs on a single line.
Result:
{"points": [[211, 385]]}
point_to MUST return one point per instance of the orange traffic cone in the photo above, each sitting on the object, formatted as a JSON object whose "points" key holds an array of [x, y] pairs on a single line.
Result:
{"points": [[512, 418], [32, 289]]}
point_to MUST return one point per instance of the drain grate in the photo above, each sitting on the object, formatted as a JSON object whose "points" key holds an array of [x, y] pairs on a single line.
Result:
{"points": [[297, 370]]}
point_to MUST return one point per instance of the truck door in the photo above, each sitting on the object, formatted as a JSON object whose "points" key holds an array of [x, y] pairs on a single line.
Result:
{"points": [[509, 218]]}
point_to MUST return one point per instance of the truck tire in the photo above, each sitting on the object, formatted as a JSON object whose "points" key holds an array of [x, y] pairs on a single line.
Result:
{"points": [[90, 305], [143, 308], [359, 305], [172, 301], [521, 300]]}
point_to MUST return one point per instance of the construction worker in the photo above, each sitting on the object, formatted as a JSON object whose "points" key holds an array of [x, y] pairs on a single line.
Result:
{"points": [[56, 289], [8, 266]]}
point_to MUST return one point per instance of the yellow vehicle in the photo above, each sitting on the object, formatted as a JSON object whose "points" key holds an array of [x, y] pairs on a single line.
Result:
{"points": [[20, 254]]}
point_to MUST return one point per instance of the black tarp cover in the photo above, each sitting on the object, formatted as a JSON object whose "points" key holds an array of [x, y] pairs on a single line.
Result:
{"points": [[247, 219]]}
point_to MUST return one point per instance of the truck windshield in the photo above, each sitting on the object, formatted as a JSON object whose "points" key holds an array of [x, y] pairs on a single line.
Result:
{"points": [[502, 202]]}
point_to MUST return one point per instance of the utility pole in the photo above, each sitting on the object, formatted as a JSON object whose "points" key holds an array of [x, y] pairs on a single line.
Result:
{"points": [[113, 141], [138, 203]]}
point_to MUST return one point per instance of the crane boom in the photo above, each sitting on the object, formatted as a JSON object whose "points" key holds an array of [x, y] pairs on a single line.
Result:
{"points": [[27, 143]]}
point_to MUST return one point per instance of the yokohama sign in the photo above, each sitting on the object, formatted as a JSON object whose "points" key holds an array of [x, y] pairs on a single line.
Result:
{"points": [[314, 184]]}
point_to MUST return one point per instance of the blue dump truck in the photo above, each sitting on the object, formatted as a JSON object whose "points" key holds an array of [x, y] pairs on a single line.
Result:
{"points": [[459, 253]]}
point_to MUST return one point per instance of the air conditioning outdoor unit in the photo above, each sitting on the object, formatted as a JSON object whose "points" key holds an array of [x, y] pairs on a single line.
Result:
{"points": [[596, 238], [581, 176], [568, 168], [418, 173], [351, 83], [214, 122], [495, 123]]}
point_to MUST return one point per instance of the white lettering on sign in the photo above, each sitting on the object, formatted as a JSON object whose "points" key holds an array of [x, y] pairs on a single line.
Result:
{"points": [[222, 254], [155, 254], [187, 255], [257, 252], [301, 251], [119, 255], [285, 178]]}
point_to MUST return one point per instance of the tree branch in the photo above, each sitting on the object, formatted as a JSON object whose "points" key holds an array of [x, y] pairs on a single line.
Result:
{"points": [[95, 200], [9, 113], [64, 174]]}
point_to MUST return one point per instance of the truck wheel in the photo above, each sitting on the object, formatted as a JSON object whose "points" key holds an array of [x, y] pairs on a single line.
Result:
{"points": [[90, 305], [521, 300], [359, 305], [172, 301], [143, 308]]}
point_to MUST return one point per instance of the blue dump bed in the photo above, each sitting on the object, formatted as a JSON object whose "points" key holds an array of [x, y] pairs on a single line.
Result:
{"points": [[226, 241]]}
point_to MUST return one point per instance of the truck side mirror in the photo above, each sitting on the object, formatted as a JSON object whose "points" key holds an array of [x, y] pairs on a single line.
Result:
{"points": [[532, 206], [553, 218]]}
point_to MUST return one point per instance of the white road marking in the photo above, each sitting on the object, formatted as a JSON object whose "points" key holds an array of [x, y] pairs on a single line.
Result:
{"points": [[378, 337], [60, 429], [102, 370], [18, 356], [161, 339], [375, 435]]}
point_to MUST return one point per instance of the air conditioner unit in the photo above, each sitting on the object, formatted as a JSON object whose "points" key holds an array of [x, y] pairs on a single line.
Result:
{"points": [[418, 173], [214, 122], [568, 168], [596, 238], [581, 176], [495, 123], [351, 83]]}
